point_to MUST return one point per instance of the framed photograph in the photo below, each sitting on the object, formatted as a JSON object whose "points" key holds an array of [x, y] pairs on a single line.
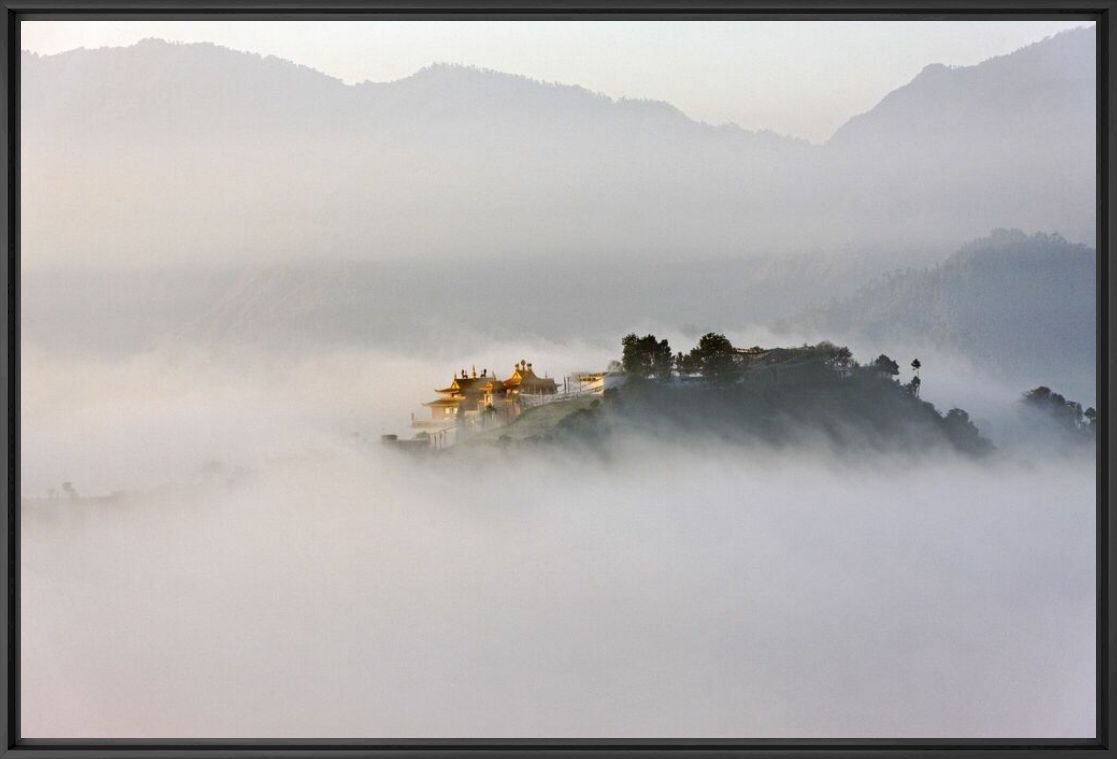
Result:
{"points": [[627, 378]]}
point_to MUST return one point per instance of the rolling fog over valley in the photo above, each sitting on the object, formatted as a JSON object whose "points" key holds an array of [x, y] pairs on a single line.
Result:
{"points": [[264, 536], [672, 593], [807, 479]]}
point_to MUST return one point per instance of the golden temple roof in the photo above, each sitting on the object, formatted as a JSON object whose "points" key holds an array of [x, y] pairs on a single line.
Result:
{"points": [[464, 387], [442, 402]]}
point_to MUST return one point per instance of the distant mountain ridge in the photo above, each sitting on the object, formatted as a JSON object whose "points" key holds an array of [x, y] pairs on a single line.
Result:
{"points": [[1046, 74], [181, 153], [436, 86]]}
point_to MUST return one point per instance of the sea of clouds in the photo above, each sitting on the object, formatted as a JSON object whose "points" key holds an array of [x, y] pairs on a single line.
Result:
{"points": [[267, 569]]}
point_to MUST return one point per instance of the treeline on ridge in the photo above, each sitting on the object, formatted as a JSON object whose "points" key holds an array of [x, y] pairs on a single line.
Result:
{"points": [[779, 396]]}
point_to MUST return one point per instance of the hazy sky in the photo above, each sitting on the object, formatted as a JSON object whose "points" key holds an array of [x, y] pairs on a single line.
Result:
{"points": [[803, 78]]}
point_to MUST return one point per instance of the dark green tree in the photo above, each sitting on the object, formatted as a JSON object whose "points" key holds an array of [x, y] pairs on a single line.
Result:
{"points": [[715, 357], [842, 356], [687, 363], [886, 366], [964, 433], [662, 359], [646, 357], [630, 354], [1067, 413], [836, 355]]}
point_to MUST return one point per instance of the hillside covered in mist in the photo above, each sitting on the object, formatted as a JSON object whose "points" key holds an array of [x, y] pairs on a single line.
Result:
{"points": [[791, 400], [171, 154], [1011, 302]]}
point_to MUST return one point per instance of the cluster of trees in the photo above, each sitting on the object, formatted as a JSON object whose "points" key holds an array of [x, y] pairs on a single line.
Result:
{"points": [[714, 357], [887, 368], [716, 360], [837, 355], [1066, 413], [959, 427], [646, 357], [807, 393]]}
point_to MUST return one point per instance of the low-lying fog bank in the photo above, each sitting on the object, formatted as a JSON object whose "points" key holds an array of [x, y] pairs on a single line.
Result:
{"points": [[173, 413], [668, 593], [274, 571]]}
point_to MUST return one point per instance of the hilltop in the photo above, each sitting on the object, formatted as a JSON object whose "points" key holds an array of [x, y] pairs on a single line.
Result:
{"points": [[781, 397]]}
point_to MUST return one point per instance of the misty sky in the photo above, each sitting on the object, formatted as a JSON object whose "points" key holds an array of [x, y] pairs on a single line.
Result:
{"points": [[715, 71]]}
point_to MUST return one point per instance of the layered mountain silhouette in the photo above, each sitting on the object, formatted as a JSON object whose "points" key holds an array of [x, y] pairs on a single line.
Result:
{"points": [[1021, 304], [169, 153], [1011, 138]]}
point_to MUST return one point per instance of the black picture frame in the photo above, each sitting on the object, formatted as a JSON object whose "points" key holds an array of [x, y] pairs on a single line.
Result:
{"points": [[1099, 11]]}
